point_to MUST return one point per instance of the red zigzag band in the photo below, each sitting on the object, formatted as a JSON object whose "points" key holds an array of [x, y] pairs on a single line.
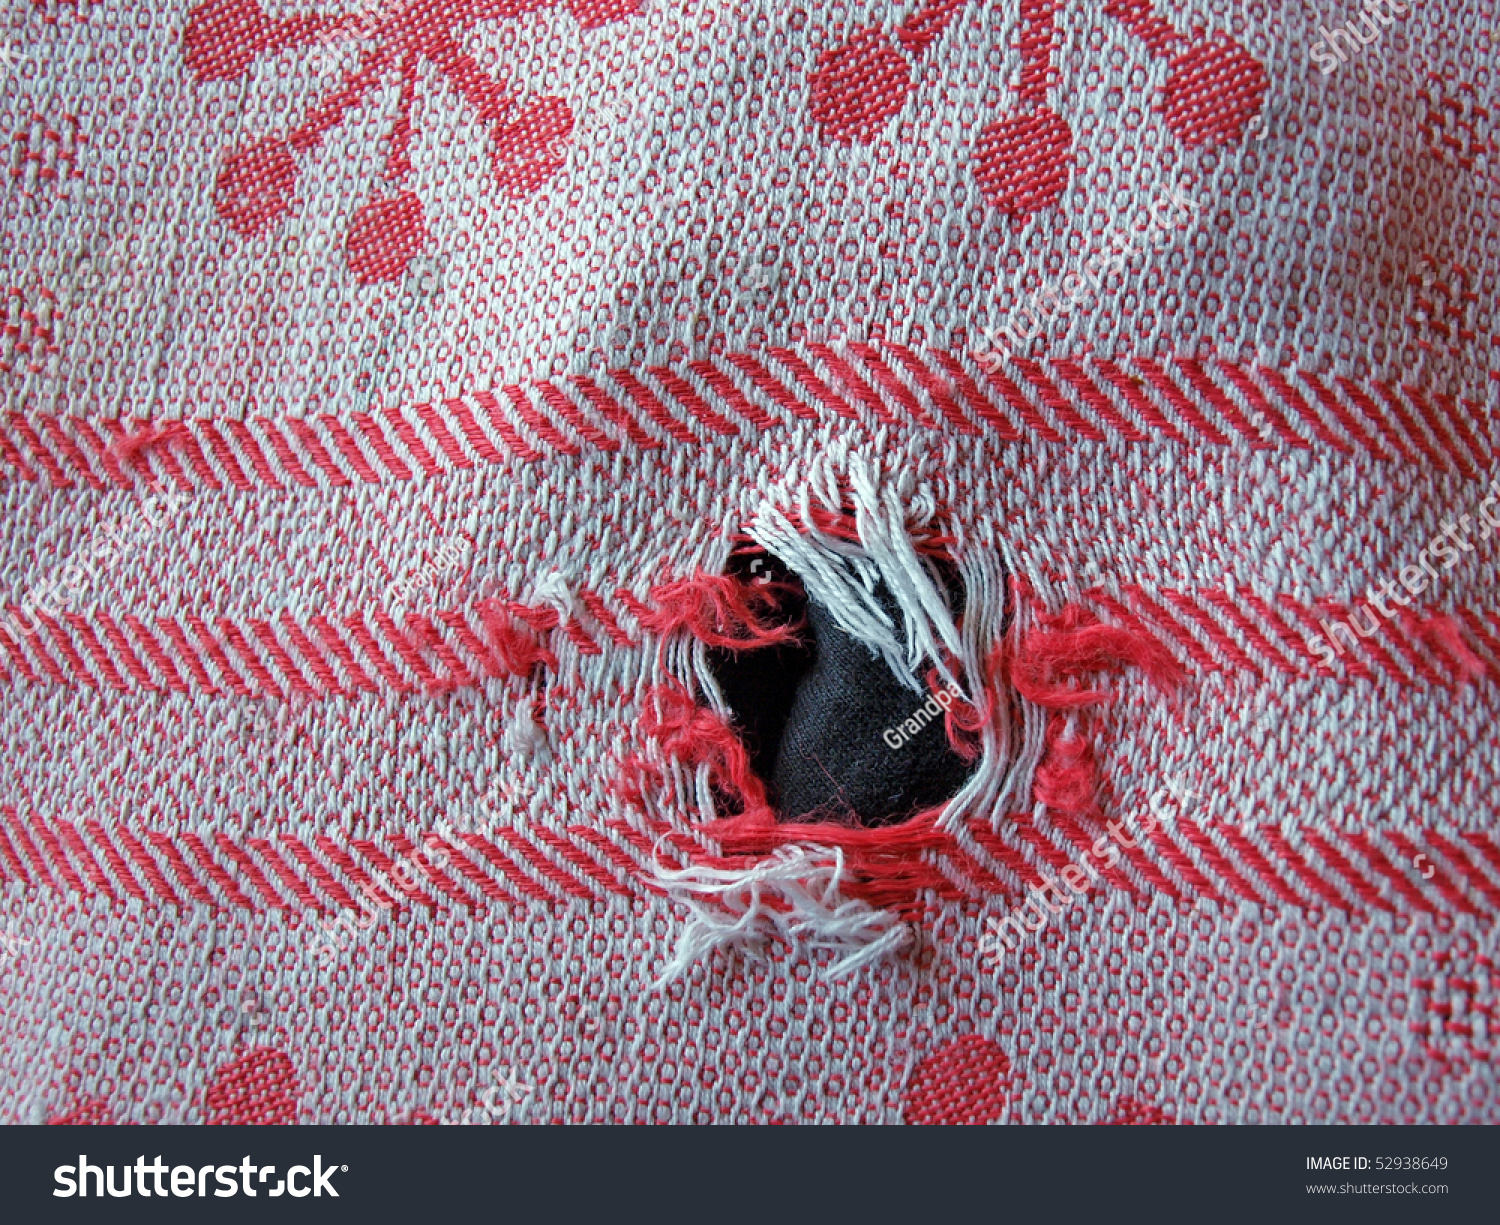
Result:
{"points": [[1346, 870], [1213, 403], [319, 657]]}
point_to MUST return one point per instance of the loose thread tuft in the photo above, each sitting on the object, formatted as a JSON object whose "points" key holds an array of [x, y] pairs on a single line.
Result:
{"points": [[793, 895], [721, 611], [516, 643], [131, 446], [697, 737], [1051, 668], [1444, 632]]}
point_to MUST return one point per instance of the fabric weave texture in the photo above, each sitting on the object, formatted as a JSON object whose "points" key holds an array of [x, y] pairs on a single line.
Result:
{"points": [[389, 392]]}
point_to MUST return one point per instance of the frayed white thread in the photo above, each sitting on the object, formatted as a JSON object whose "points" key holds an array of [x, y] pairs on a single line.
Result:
{"points": [[793, 895], [992, 784], [525, 737], [844, 577], [553, 589]]}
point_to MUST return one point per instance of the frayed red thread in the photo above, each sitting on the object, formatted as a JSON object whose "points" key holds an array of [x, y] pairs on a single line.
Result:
{"points": [[1049, 666], [888, 868], [720, 611], [1444, 631], [1067, 779], [514, 635], [696, 736], [131, 445], [842, 525], [963, 722]]}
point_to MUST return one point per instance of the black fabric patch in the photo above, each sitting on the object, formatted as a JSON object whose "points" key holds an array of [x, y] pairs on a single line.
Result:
{"points": [[814, 716]]}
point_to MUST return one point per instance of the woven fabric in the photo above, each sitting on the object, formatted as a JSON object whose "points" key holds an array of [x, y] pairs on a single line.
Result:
{"points": [[387, 390]]}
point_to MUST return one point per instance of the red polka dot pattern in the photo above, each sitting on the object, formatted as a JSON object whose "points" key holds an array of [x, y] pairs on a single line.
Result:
{"points": [[968, 1081]]}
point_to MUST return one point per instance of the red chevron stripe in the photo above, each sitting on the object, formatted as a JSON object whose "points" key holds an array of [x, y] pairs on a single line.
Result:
{"points": [[1226, 607], [936, 387], [168, 850], [414, 446], [1095, 398], [70, 451], [1208, 390], [285, 455], [1448, 441], [1053, 398], [1214, 633], [325, 450], [1187, 871], [887, 379], [1409, 425], [448, 444], [1130, 390], [1372, 412], [1002, 853], [501, 424], [723, 386], [1218, 862], [1303, 409], [1470, 871], [646, 400], [475, 436], [116, 861], [485, 884], [1331, 405], [138, 854], [538, 424], [28, 849], [327, 882], [96, 650], [963, 874], [844, 373], [1185, 408], [614, 412], [1378, 860], [770, 386], [564, 407], [216, 873], [15, 868], [682, 391], [349, 449], [1443, 882], [12, 456], [509, 869], [48, 461], [91, 868], [288, 874], [246, 441], [428, 870], [252, 871], [1314, 883], [983, 407]]}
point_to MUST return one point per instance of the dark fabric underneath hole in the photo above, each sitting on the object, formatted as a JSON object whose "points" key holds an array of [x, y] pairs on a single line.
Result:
{"points": [[813, 718]]}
